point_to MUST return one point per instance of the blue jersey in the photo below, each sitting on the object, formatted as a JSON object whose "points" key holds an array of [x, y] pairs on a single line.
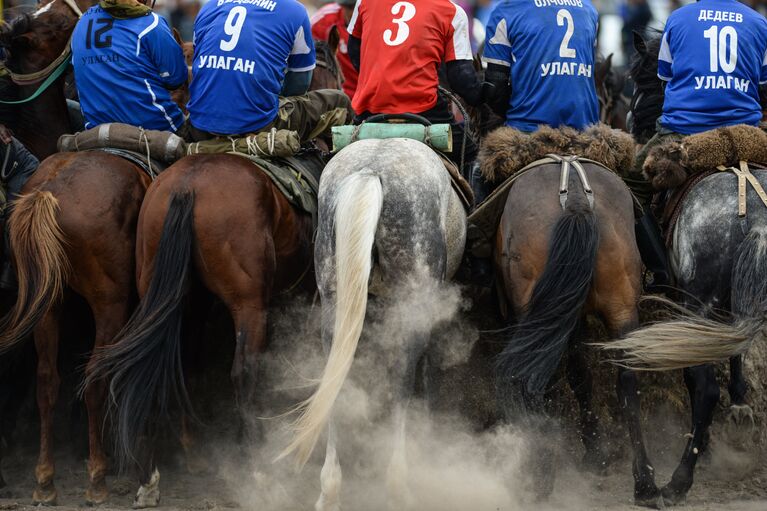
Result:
{"points": [[549, 46], [713, 57], [124, 68], [242, 50]]}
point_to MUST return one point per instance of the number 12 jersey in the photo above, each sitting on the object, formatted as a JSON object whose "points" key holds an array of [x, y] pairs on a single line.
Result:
{"points": [[713, 56], [549, 46], [242, 50]]}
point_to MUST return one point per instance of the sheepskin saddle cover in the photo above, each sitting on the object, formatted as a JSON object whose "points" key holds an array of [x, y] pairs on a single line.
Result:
{"points": [[669, 164], [506, 150]]}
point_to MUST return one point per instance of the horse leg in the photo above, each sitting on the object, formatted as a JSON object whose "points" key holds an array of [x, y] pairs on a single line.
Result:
{"points": [[581, 382], [704, 395], [740, 420], [403, 375], [46, 335], [331, 474], [109, 319]]}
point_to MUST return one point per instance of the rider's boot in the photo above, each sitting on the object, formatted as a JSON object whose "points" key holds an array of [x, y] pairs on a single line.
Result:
{"points": [[653, 252]]}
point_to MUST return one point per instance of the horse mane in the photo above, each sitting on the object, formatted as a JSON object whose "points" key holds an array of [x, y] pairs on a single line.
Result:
{"points": [[325, 55]]}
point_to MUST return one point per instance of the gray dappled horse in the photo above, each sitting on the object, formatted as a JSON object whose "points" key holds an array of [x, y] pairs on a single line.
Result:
{"points": [[387, 210], [719, 264]]}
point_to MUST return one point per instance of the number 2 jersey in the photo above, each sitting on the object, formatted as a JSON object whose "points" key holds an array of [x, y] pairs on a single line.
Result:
{"points": [[549, 46], [403, 43], [242, 50], [713, 56], [123, 68]]}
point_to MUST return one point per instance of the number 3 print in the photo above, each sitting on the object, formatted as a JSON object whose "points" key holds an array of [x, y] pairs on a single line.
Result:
{"points": [[406, 12]]}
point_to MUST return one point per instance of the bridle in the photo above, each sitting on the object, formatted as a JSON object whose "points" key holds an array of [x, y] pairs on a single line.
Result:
{"points": [[52, 71]]}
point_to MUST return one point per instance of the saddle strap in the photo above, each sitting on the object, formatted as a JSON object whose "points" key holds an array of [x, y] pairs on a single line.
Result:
{"points": [[564, 178], [745, 176]]}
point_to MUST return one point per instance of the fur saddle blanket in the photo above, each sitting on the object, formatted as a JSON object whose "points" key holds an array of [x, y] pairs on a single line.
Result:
{"points": [[671, 163], [506, 150]]}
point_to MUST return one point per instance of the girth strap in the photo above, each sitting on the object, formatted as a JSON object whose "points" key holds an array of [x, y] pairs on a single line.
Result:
{"points": [[564, 178]]}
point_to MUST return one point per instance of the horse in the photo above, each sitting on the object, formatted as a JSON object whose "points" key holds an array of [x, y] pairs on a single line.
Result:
{"points": [[216, 224], [74, 229], [719, 267], [613, 106], [403, 229]]}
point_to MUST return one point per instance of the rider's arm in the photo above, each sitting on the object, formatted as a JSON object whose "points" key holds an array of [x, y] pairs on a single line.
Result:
{"points": [[353, 47], [500, 77], [167, 55], [296, 83], [462, 78], [301, 61]]}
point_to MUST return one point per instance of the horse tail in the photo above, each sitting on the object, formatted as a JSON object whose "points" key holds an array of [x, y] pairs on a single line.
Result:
{"points": [[357, 211], [144, 363], [536, 344], [690, 339], [41, 262]]}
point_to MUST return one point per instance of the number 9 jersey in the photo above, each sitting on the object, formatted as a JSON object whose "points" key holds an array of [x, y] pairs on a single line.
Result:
{"points": [[242, 50], [549, 46], [713, 55]]}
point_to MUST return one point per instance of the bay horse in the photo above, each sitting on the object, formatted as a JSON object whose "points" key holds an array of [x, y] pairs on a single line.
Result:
{"points": [[217, 222], [388, 213], [73, 229], [558, 261], [719, 268]]}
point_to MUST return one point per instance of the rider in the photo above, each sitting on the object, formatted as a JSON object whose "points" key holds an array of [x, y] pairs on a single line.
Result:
{"points": [[17, 165], [253, 62], [126, 60], [337, 15], [713, 60], [397, 47]]}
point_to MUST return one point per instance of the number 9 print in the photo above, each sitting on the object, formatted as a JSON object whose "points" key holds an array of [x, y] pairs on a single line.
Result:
{"points": [[403, 30]]}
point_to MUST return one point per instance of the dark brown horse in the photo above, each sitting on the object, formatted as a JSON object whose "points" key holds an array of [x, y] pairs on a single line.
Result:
{"points": [[559, 261], [218, 221], [74, 228]]}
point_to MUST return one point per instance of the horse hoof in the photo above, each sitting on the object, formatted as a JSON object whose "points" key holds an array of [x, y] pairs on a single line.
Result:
{"points": [[672, 497], [45, 495], [648, 496], [148, 495], [96, 494], [740, 425]]}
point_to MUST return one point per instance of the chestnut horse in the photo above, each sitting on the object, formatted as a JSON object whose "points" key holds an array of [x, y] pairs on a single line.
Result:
{"points": [[557, 262], [216, 220], [74, 228]]}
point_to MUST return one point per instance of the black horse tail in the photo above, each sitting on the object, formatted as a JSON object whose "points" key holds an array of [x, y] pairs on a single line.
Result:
{"points": [[690, 339], [144, 364], [536, 344]]}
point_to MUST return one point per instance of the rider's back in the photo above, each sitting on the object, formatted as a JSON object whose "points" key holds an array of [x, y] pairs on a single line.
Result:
{"points": [[124, 68], [713, 58], [241, 53], [549, 46]]}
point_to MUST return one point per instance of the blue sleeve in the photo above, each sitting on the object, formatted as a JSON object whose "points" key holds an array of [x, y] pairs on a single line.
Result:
{"points": [[167, 55], [497, 45], [302, 56], [763, 69], [296, 83], [665, 58]]}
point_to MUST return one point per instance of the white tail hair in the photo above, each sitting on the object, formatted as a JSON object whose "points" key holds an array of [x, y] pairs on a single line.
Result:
{"points": [[357, 210]]}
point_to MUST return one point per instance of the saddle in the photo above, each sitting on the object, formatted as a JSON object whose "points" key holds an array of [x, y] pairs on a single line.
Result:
{"points": [[149, 166]]}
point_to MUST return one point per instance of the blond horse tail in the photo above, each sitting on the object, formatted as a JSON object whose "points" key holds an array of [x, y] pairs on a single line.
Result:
{"points": [[357, 210], [41, 264], [690, 339]]}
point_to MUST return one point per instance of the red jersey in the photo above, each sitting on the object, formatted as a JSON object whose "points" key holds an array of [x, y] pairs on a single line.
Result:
{"points": [[403, 44], [332, 15]]}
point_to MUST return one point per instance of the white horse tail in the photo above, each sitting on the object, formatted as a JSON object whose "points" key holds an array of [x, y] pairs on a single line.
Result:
{"points": [[357, 209], [690, 339]]}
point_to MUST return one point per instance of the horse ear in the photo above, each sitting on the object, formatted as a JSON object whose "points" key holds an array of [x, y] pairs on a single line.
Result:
{"points": [[601, 68], [609, 62], [334, 38], [177, 37], [640, 45]]}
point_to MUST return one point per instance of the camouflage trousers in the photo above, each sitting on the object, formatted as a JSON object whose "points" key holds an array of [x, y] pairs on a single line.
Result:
{"points": [[311, 115], [635, 180]]}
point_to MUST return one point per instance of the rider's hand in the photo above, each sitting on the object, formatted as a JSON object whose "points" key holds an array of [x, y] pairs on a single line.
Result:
{"points": [[6, 136]]}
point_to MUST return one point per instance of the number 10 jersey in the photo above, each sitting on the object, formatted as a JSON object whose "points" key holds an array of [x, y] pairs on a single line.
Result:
{"points": [[242, 50], [549, 46]]}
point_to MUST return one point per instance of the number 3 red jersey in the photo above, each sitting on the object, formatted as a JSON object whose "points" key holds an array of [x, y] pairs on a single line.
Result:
{"points": [[403, 43]]}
